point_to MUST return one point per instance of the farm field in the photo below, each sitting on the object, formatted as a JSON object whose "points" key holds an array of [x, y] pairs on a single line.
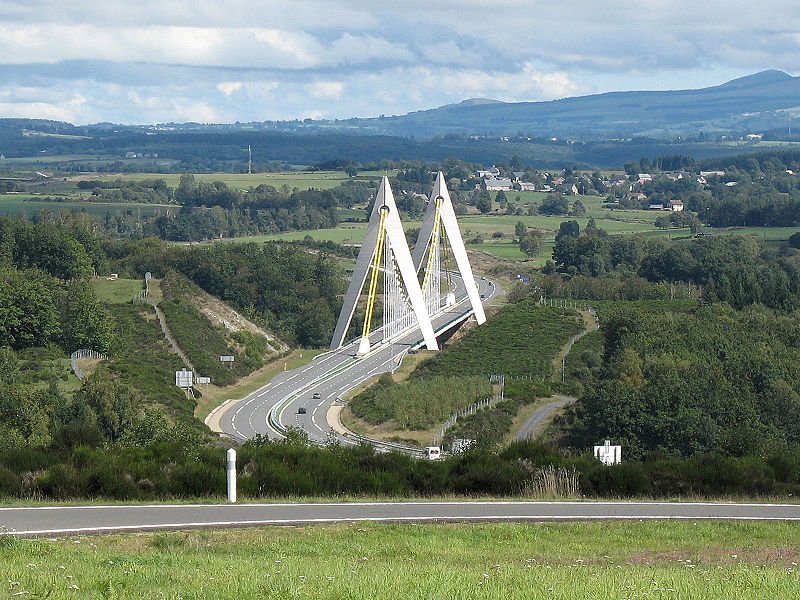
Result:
{"points": [[299, 179], [656, 559], [29, 204]]}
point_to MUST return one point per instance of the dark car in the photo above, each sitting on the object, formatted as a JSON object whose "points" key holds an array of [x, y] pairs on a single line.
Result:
{"points": [[301, 410]]}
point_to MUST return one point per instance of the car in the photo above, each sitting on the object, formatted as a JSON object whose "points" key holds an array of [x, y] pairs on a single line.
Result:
{"points": [[315, 396], [301, 410]]}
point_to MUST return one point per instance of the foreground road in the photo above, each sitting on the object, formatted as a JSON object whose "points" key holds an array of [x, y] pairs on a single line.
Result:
{"points": [[55, 520]]}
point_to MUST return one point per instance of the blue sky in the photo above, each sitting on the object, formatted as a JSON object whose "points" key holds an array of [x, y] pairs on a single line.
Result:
{"points": [[155, 61]]}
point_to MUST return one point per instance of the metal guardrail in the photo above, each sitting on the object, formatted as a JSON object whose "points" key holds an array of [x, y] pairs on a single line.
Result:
{"points": [[84, 353]]}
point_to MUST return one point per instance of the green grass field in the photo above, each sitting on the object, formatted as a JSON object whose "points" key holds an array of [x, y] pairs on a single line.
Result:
{"points": [[118, 291], [682, 560], [299, 179], [29, 204]]}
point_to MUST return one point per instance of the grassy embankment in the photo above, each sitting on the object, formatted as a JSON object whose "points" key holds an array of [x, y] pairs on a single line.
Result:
{"points": [[554, 560], [494, 348]]}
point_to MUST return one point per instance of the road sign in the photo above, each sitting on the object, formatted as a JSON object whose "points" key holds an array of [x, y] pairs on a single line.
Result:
{"points": [[203, 380], [183, 378], [227, 358], [608, 454]]}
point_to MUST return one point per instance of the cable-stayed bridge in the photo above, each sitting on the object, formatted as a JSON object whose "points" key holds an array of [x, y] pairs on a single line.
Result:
{"points": [[403, 300]]}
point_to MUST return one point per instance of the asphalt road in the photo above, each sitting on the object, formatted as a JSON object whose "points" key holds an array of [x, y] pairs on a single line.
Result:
{"points": [[330, 376], [60, 520], [530, 427]]}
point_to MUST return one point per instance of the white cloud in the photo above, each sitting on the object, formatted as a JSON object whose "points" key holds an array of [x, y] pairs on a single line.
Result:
{"points": [[229, 88], [157, 60], [331, 90]]}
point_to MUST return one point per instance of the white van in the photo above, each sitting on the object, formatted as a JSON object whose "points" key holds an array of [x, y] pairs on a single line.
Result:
{"points": [[433, 452]]}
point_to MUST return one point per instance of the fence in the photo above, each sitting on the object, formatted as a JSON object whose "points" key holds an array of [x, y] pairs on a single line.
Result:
{"points": [[472, 408], [84, 353], [142, 295]]}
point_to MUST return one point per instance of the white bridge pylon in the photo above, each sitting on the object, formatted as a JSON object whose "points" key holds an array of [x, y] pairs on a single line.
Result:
{"points": [[438, 226], [385, 252]]}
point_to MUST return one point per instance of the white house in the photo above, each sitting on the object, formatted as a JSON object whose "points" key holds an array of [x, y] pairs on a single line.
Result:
{"points": [[676, 205], [497, 185]]}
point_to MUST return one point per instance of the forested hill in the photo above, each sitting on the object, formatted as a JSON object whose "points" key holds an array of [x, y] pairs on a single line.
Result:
{"points": [[759, 102]]}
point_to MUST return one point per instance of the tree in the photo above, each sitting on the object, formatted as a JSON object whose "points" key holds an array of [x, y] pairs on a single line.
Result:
{"points": [[568, 229], [484, 202], [86, 323], [114, 403], [554, 204], [530, 244], [794, 240], [578, 209], [520, 229], [184, 193]]}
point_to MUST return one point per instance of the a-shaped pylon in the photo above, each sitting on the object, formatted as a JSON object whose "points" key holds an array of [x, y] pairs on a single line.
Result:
{"points": [[440, 216], [383, 230]]}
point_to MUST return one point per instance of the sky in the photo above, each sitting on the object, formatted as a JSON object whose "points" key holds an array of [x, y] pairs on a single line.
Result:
{"points": [[222, 61]]}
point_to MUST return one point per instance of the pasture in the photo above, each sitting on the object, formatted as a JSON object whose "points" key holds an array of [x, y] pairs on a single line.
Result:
{"points": [[30, 204]]}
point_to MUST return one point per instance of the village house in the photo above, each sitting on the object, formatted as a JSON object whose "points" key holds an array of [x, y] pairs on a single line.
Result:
{"points": [[525, 186], [490, 173], [498, 185], [676, 205]]}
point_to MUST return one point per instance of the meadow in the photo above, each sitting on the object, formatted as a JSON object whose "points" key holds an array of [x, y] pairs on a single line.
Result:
{"points": [[30, 204], [655, 559]]}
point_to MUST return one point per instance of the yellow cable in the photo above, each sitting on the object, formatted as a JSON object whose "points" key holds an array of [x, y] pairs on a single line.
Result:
{"points": [[434, 240], [373, 284]]}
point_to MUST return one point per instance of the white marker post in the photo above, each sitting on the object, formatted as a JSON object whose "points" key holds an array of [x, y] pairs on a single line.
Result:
{"points": [[231, 470]]}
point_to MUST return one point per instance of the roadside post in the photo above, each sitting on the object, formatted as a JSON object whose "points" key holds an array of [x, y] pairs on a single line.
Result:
{"points": [[231, 469]]}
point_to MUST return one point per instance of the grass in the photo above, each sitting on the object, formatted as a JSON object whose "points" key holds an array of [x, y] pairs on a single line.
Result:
{"points": [[510, 561], [29, 204], [293, 179], [117, 291]]}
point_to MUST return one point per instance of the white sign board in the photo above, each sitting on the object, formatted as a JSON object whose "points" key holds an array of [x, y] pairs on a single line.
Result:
{"points": [[608, 454], [226, 358], [183, 378], [203, 380]]}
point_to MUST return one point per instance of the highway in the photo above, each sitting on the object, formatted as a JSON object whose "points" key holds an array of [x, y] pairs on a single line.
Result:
{"points": [[62, 520], [315, 387]]}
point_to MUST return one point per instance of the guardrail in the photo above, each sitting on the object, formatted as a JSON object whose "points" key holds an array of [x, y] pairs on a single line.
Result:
{"points": [[84, 353]]}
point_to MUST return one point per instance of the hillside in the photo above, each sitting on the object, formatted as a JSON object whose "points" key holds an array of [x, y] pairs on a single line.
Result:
{"points": [[761, 101]]}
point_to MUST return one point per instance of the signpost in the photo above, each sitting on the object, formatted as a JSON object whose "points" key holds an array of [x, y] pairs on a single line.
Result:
{"points": [[203, 380], [183, 378], [608, 454]]}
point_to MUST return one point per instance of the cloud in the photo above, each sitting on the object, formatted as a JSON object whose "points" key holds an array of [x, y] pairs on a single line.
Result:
{"points": [[159, 60], [229, 88], [331, 90]]}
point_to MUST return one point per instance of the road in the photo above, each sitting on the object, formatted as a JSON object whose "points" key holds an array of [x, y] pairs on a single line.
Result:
{"points": [[540, 415], [316, 386], [60, 520]]}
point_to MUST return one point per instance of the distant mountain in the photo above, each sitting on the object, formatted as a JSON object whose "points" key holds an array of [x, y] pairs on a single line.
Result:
{"points": [[754, 103]]}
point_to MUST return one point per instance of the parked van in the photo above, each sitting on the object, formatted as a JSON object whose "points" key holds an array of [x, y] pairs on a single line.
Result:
{"points": [[433, 452]]}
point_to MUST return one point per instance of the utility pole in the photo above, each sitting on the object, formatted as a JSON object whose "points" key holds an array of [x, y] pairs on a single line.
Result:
{"points": [[249, 160]]}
